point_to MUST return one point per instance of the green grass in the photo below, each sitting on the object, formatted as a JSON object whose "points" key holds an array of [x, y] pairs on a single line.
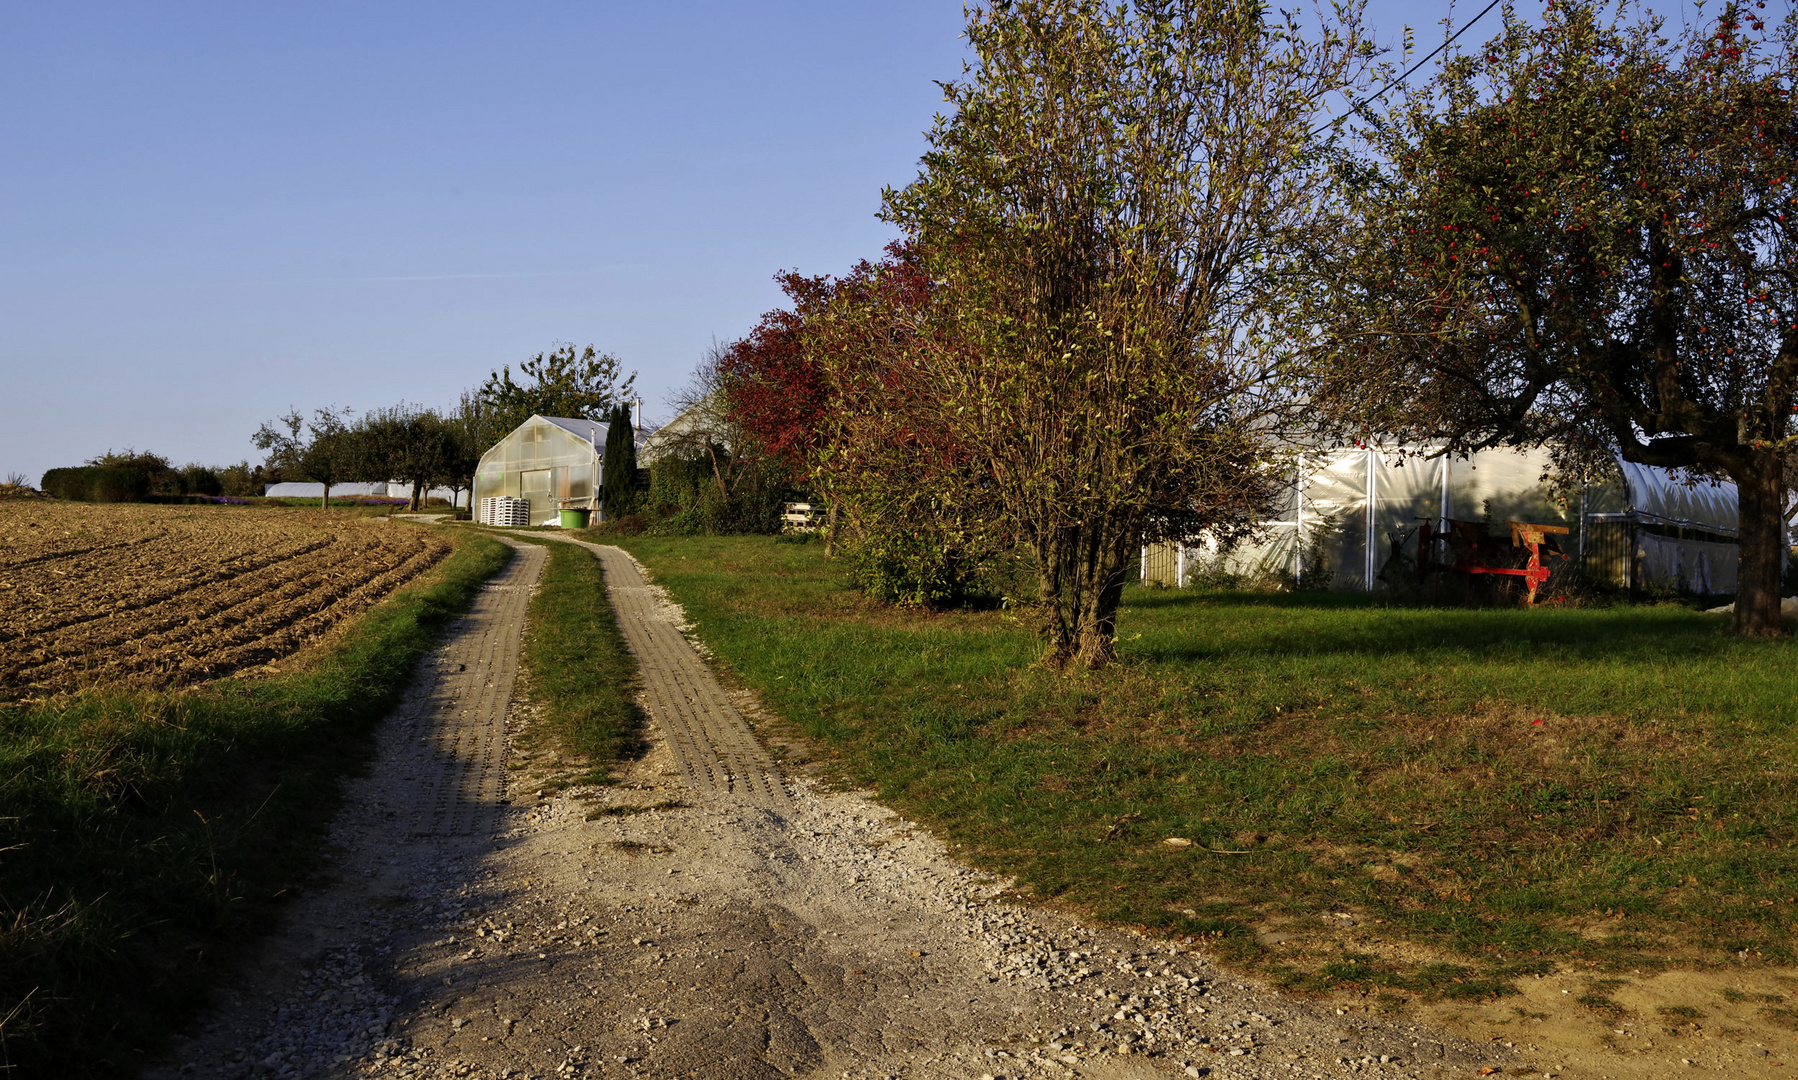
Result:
{"points": [[1486, 792], [143, 833], [583, 677]]}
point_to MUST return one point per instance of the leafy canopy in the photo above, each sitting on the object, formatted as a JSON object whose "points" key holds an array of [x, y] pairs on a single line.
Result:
{"points": [[1579, 235], [1106, 216], [561, 382]]}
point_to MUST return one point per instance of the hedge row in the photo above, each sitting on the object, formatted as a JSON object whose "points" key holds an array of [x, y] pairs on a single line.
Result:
{"points": [[97, 483]]}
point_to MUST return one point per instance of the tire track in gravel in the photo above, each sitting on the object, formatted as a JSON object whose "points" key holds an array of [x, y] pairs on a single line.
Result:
{"points": [[706, 918], [714, 746], [311, 999]]}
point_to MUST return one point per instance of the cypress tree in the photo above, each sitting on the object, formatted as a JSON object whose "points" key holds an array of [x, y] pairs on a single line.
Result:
{"points": [[619, 495]]}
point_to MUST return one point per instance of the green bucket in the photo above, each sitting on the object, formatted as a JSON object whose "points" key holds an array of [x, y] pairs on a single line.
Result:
{"points": [[575, 519]]}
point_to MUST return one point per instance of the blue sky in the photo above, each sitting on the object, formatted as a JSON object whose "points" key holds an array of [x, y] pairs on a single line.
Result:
{"points": [[210, 212]]}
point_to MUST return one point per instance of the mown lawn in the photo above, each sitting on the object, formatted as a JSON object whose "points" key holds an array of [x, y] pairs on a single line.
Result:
{"points": [[1484, 793]]}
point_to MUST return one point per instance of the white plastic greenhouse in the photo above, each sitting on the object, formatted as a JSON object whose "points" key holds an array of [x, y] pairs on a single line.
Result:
{"points": [[1656, 528], [551, 463]]}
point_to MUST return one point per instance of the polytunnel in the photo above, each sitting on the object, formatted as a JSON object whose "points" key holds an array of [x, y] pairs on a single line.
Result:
{"points": [[1352, 506]]}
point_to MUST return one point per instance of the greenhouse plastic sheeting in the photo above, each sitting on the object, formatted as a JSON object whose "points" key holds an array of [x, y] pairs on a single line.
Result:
{"points": [[550, 462], [1695, 565], [1406, 486], [1663, 495]]}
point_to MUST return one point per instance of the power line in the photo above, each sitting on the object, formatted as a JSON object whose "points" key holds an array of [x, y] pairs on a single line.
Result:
{"points": [[1370, 99]]}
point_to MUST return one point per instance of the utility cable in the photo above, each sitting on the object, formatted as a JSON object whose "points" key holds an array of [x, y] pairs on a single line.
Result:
{"points": [[1370, 99]]}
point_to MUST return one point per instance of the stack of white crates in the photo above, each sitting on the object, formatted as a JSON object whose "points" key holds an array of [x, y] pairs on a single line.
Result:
{"points": [[505, 511]]}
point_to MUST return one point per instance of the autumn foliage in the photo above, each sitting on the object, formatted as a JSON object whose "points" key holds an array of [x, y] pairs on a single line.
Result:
{"points": [[776, 390]]}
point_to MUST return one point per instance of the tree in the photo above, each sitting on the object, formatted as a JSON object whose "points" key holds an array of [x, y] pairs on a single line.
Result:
{"points": [[782, 386], [1107, 211], [244, 479], [134, 474], [709, 474], [774, 388], [561, 383], [477, 430], [410, 444], [922, 530], [196, 479], [467, 428], [619, 468], [326, 455], [707, 426], [1580, 235]]}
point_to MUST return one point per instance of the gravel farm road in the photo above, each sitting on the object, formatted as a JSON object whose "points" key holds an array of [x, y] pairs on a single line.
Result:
{"points": [[729, 920]]}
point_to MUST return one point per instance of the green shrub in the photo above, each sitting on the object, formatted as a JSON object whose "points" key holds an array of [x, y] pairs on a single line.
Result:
{"points": [[676, 482], [243, 480], [97, 483], [116, 484], [69, 484], [133, 477], [917, 569], [684, 500], [196, 479]]}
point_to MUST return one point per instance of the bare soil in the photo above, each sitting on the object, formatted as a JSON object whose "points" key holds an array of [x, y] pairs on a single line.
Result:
{"points": [[172, 595]]}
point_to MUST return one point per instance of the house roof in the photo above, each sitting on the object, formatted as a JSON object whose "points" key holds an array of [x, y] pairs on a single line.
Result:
{"points": [[693, 419]]}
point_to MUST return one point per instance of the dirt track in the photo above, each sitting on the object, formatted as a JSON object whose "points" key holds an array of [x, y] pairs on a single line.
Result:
{"points": [[726, 921]]}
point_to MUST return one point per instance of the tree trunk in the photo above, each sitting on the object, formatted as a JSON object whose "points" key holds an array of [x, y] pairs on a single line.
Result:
{"points": [[1080, 571], [1051, 583], [417, 497], [1097, 644], [1760, 521], [327, 498], [1104, 558], [720, 471]]}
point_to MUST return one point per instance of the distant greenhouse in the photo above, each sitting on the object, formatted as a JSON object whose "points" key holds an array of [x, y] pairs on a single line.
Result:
{"points": [[552, 462], [1359, 508]]}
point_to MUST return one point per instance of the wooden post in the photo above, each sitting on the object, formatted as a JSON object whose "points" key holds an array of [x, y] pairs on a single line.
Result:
{"points": [[1632, 557], [1298, 527], [1368, 516]]}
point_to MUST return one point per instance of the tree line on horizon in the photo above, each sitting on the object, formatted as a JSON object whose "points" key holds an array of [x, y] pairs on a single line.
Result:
{"points": [[421, 447], [1136, 271], [426, 448]]}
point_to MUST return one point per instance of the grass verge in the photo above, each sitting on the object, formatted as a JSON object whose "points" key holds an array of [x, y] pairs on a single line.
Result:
{"points": [[141, 833], [583, 678], [1402, 801]]}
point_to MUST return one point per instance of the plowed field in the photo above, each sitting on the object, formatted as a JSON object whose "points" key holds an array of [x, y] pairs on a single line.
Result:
{"points": [[167, 595]]}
